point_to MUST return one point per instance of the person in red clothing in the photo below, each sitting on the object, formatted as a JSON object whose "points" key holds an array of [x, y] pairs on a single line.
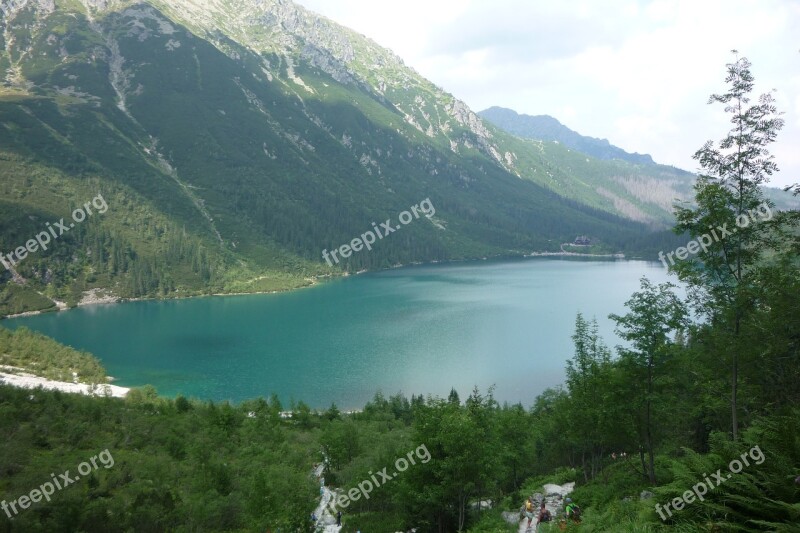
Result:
{"points": [[544, 514]]}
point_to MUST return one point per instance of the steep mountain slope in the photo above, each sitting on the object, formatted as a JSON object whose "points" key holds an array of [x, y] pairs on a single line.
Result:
{"points": [[639, 188], [547, 128], [234, 140]]}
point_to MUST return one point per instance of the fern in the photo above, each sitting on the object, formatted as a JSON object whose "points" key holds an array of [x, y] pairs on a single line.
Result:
{"points": [[761, 497]]}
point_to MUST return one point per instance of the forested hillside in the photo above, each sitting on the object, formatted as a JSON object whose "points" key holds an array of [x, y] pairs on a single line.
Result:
{"points": [[235, 141]]}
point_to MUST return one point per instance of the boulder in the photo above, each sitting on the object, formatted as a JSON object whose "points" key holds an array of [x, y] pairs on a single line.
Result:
{"points": [[511, 518], [552, 489], [483, 504]]}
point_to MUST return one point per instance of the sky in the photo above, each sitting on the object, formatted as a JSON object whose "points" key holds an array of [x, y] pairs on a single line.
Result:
{"points": [[638, 73]]}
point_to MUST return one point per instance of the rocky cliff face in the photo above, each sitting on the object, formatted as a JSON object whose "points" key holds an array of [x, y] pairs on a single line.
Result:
{"points": [[293, 33], [285, 43]]}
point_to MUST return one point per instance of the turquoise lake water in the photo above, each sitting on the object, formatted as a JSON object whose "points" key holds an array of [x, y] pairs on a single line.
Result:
{"points": [[419, 330]]}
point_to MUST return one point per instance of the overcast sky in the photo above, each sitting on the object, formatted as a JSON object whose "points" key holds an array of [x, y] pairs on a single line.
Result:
{"points": [[636, 73]]}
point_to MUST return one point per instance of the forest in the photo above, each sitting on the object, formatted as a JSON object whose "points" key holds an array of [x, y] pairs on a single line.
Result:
{"points": [[700, 382]]}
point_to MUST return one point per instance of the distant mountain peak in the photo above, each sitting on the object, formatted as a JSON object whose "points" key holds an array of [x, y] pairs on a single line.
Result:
{"points": [[547, 128]]}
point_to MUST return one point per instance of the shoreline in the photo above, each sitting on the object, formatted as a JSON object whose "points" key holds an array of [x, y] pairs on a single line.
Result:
{"points": [[313, 281], [575, 254], [564, 253], [109, 300], [30, 381]]}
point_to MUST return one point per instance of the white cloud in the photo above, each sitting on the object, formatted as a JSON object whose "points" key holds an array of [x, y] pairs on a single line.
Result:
{"points": [[638, 73]]}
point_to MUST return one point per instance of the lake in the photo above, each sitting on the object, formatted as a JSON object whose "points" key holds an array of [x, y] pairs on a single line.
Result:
{"points": [[418, 330]]}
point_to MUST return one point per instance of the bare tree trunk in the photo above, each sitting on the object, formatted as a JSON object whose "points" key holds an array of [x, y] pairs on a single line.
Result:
{"points": [[583, 466], [650, 453], [516, 483], [734, 393], [641, 458], [651, 472], [735, 376], [462, 502]]}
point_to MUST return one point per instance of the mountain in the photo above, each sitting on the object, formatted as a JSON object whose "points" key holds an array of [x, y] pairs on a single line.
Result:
{"points": [[639, 188], [236, 140], [547, 128]]}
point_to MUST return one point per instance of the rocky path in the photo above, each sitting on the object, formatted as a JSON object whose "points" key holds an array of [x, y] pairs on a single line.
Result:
{"points": [[326, 522], [554, 502]]}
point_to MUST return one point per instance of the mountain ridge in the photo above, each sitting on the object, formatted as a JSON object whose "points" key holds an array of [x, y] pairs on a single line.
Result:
{"points": [[547, 128]]}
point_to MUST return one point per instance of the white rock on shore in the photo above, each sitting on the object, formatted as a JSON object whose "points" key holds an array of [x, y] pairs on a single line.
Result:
{"points": [[97, 296], [29, 381]]}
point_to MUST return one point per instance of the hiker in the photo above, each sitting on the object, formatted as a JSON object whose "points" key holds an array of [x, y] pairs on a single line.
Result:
{"points": [[544, 514], [573, 511], [529, 511], [339, 518]]}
